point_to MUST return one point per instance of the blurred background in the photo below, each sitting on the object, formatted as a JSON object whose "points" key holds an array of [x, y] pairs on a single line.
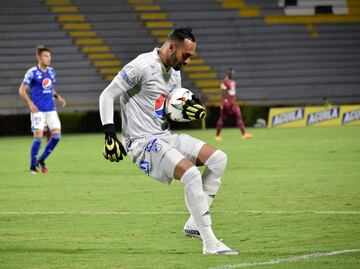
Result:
{"points": [[285, 52]]}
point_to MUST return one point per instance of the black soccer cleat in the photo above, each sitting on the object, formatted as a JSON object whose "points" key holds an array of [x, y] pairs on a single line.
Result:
{"points": [[33, 170], [192, 233]]}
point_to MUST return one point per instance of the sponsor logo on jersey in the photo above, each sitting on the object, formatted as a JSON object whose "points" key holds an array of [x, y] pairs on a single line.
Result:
{"points": [[351, 116], [153, 146], [291, 116], [46, 84], [324, 115], [126, 78], [160, 107], [145, 166]]}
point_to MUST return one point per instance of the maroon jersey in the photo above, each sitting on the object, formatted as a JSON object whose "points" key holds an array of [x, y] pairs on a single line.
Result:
{"points": [[229, 88], [229, 106], [228, 101]]}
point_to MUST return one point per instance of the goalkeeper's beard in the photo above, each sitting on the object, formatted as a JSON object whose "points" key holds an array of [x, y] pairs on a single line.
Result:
{"points": [[174, 62], [177, 67]]}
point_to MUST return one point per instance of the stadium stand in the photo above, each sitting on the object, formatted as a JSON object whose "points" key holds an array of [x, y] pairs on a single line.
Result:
{"points": [[25, 24], [284, 52], [277, 62]]}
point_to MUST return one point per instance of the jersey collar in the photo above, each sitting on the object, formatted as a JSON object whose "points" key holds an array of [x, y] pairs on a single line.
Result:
{"points": [[38, 67]]}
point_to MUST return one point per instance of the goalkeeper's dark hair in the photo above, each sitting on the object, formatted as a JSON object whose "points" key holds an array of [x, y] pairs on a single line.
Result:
{"points": [[180, 34], [40, 49]]}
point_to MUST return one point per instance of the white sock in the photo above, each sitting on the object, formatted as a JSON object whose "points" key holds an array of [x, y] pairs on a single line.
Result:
{"points": [[209, 238], [190, 223], [211, 178], [197, 204]]}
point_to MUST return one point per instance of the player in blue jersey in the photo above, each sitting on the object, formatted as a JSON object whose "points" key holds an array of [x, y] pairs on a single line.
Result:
{"points": [[38, 91]]}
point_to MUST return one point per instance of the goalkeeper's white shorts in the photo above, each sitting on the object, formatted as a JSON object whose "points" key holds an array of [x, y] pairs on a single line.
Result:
{"points": [[41, 119], [162, 154]]}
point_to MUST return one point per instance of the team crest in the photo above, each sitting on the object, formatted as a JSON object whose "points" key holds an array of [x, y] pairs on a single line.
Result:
{"points": [[154, 70]]}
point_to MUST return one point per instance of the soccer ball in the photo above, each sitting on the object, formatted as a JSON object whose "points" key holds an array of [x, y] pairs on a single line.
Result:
{"points": [[174, 104]]}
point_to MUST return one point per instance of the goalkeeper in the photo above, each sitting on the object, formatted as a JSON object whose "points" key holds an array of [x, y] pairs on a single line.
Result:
{"points": [[141, 87]]}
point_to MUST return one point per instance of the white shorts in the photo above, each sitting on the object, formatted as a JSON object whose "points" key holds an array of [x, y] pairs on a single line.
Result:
{"points": [[161, 155], [41, 119]]}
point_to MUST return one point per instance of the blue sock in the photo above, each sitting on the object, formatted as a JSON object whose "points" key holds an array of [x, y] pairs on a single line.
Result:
{"points": [[35, 147], [50, 146]]}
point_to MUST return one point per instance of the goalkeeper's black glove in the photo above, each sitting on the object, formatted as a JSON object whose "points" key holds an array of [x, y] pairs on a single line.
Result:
{"points": [[113, 149], [193, 109]]}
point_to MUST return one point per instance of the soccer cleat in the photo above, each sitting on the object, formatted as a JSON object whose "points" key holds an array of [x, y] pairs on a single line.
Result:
{"points": [[189, 232], [246, 136], [33, 170], [218, 138], [221, 249], [42, 166]]}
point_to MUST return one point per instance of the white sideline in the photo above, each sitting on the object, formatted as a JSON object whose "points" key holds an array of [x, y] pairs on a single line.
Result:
{"points": [[7, 213], [288, 259]]}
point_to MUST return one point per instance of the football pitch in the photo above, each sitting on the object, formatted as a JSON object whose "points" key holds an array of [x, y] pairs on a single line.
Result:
{"points": [[290, 198]]}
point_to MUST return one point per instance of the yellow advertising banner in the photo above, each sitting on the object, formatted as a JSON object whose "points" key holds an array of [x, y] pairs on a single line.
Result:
{"points": [[322, 115], [350, 115], [287, 117], [314, 116]]}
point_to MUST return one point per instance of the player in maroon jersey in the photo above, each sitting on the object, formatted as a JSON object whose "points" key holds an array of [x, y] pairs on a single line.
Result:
{"points": [[230, 106]]}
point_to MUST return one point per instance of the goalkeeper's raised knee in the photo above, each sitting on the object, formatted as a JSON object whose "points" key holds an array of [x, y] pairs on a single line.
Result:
{"points": [[215, 168]]}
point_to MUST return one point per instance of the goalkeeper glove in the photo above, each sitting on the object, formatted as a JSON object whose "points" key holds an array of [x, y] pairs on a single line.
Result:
{"points": [[193, 109], [113, 149]]}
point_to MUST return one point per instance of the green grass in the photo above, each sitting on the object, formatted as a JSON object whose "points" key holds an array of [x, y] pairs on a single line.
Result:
{"points": [[297, 171]]}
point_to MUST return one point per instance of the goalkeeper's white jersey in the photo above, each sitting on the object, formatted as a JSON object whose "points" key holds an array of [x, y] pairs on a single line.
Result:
{"points": [[142, 86]]}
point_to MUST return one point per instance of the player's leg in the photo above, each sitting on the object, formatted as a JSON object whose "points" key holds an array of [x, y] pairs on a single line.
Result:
{"points": [[162, 161], [37, 126], [220, 122], [55, 128], [215, 163], [190, 148], [47, 133], [240, 122], [197, 204], [199, 153]]}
